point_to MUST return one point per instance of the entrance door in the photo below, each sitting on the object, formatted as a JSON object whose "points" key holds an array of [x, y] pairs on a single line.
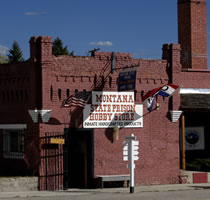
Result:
{"points": [[80, 158]]}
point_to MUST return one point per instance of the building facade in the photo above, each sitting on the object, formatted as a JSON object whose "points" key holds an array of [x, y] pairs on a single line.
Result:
{"points": [[40, 137]]}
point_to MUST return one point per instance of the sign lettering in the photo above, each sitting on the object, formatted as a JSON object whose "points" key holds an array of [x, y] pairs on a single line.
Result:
{"points": [[112, 109]]}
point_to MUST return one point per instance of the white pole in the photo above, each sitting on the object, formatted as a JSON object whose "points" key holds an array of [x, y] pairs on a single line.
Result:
{"points": [[131, 166]]}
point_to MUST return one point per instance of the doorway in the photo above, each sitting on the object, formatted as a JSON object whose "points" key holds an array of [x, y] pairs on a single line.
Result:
{"points": [[79, 161], [197, 148]]}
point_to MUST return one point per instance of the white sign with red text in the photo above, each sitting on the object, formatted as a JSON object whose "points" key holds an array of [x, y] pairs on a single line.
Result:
{"points": [[112, 109]]}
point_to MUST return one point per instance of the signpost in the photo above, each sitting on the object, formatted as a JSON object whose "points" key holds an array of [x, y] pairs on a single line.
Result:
{"points": [[130, 153]]}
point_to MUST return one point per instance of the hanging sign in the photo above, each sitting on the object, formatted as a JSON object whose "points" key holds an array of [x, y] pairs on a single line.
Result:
{"points": [[112, 109], [127, 80]]}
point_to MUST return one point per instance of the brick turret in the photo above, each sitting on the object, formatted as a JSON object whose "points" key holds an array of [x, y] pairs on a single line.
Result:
{"points": [[192, 33], [41, 49]]}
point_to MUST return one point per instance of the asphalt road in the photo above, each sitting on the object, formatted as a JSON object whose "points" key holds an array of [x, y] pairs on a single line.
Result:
{"points": [[197, 194], [190, 193]]}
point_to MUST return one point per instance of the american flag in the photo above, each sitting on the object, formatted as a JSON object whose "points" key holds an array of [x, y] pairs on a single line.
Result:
{"points": [[79, 99]]}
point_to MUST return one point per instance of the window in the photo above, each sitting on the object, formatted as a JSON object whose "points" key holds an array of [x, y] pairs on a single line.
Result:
{"points": [[59, 94], [13, 143]]}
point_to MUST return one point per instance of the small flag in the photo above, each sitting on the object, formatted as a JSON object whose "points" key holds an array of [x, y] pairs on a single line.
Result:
{"points": [[165, 91], [79, 99], [168, 90], [149, 98], [149, 103]]}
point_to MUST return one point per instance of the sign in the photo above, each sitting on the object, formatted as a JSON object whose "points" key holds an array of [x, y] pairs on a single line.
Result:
{"points": [[194, 138], [125, 150], [127, 80], [130, 148], [112, 109], [57, 141], [130, 153]]}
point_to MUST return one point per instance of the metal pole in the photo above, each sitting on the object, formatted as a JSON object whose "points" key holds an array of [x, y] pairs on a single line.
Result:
{"points": [[131, 167], [183, 144]]}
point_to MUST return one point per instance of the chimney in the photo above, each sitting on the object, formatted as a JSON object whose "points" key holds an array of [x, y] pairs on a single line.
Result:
{"points": [[192, 33]]}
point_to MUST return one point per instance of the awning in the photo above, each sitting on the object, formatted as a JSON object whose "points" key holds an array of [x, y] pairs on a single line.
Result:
{"points": [[195, 98]]}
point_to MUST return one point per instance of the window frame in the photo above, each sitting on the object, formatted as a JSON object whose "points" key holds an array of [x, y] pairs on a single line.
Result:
{"points": [[8, 130]]}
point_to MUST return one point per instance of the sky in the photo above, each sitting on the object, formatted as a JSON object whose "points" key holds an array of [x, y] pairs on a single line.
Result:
{"points": [[137, 27]]}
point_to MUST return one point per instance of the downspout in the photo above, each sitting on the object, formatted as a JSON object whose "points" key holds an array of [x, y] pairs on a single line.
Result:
{"points": [[113, 62]]}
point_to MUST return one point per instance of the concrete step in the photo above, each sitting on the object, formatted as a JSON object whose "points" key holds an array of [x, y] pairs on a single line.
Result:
{"points": [[13, 184], [194, 177]]}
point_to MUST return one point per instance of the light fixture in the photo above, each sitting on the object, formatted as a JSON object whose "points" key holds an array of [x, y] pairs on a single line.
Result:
{"points": [[116, 133], [175, 114], [45, 115], [157, 106]]}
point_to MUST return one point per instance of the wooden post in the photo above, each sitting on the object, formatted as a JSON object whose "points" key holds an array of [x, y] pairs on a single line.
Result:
{"points": [[183, 143]]}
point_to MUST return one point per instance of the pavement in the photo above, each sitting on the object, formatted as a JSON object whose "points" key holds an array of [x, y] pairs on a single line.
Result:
{"points": [[138, 189]]}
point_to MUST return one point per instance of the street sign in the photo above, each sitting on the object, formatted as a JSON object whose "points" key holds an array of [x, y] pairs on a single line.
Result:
{"points": [[125, 153], [135, 157], [130, 153], [127, 80], [135, 149], [125, 158], [129, 165], [125, 148]]}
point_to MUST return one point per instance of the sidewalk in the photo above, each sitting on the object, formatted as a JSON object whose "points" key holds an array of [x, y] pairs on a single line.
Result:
{"points": [[75, 192]]}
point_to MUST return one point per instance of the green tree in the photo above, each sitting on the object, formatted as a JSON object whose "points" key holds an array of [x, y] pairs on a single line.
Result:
{"points": [[58, 48], [15, 53], [3, 59]]}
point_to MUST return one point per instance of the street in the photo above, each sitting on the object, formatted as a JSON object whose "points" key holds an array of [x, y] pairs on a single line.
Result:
{"points": [[178, 192]]}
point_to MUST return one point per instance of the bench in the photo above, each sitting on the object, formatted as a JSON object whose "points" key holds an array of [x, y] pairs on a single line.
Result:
{"points": [[109, 178]]}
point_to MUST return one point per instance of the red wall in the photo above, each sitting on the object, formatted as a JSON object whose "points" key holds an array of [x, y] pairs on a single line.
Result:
{"points": [[47, 79], [159, 137], [19, 92]]}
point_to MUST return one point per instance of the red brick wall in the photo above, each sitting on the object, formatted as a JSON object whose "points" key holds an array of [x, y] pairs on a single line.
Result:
{"points": [[192, 33], [48, 86], [159, 138], [19, 92]]}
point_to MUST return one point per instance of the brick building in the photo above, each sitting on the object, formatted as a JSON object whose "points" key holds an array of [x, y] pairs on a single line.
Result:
{"points": [[33, 89]]}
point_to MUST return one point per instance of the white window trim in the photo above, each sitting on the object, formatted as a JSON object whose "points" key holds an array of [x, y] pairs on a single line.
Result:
{"points": [[13, 126], [194, 91]]}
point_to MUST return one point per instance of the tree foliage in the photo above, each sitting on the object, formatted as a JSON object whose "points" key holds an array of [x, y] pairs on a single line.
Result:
{"points": [[15, 53], [58, 48], [3, 59]]}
